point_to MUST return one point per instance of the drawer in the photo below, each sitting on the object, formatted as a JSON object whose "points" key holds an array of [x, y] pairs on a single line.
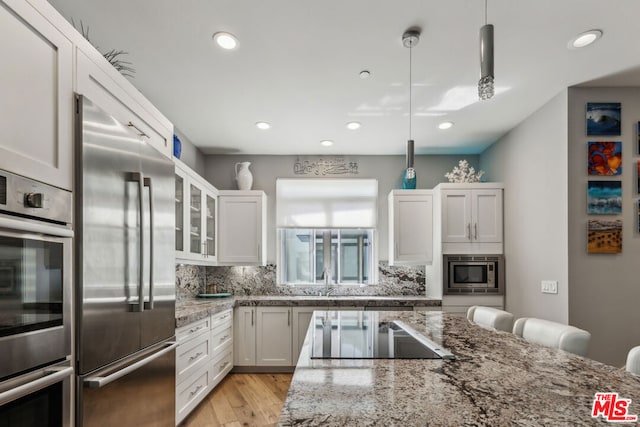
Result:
{"points": [[191, 355], [191, 391], [193, 329], [222, 319], [219, 338], [221, 366]]}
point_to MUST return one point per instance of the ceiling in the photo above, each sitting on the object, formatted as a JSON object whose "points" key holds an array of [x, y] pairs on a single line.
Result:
{"points": [[298, 63]]}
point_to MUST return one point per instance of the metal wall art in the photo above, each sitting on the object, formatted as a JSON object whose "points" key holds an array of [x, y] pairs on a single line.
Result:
{"points": [[325, 166]]}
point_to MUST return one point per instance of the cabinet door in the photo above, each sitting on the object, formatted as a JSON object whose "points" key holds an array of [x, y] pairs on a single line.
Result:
{"points": [[412, 229], [456, 216], [112, 93], [196, 243], [182, 219], [273, 337], [209, 225], [487, 216], [240, 231], [244, 336], [301, 319], [36, 105]]}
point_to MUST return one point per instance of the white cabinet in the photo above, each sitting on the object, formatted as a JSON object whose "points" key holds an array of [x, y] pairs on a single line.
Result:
{"points": [[101, 83], [301, 319], [410, 227], [459, 304], [471, 218], [196, 213], [244, 336], [36, 105], [203, 357], [242, 231], [273, 336]]}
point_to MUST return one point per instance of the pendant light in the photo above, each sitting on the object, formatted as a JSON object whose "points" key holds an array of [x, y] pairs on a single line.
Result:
{"points": [[485, 84], [410, 39]]}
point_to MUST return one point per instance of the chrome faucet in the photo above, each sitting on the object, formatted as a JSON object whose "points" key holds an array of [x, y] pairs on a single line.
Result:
{"points": [[327, 282]]}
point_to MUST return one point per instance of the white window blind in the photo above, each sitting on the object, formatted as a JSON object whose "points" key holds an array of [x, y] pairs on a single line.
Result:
{"points": [[326, 203]]}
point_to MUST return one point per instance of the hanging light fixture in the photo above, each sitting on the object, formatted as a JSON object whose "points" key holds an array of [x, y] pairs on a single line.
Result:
{"points": [[485, 84], [410, 39]]}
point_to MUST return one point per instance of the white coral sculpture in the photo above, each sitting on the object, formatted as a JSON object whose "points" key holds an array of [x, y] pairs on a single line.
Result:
{"points": [[464, 173]]}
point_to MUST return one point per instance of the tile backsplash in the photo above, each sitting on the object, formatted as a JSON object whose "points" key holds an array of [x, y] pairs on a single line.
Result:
{"points": [[192, 280]]}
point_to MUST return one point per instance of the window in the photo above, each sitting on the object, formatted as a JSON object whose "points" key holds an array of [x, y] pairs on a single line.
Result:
{"points": [[306, 255], [326, 230]]}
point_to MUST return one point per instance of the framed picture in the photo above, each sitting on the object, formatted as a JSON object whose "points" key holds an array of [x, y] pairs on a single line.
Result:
{"points": [[605, 158], [604, 197], [604, 237], [603, 118]]}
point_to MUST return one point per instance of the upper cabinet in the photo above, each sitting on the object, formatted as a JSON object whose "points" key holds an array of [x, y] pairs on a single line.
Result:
{"points": [[242, 231], [410, 227], [196, 214], [471, 218], [102, 84], [36, 106]]}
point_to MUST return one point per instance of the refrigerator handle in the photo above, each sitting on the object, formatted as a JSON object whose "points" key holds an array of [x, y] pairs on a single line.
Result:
{"points": [[147, 183], [137, 177], [100, 381]]}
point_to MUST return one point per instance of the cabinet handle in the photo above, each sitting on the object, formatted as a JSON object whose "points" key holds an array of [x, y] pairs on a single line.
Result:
{"points": [[475, 232], [195, 391], [469, 231], [192, 330], [224, 338], [251, 317], [195, 356], [288, 317], [396, 249], [222, 365], [140, 132], [204, 249]]}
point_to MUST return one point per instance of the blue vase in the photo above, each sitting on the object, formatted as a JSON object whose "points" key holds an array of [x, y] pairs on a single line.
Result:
{"points": [[409, 183], [177, 146]]}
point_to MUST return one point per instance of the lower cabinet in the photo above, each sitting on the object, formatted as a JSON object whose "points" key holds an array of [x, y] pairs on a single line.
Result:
{"points": [[203, 357], [273, 336], [459, 304], [301, 319]]}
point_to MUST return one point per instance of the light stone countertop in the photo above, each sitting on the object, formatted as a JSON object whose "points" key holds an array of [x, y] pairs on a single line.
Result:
{"points": [[193, 309], [497, 379]]}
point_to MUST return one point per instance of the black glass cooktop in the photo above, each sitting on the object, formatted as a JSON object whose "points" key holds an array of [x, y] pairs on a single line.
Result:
{"points": [[360, 335]]}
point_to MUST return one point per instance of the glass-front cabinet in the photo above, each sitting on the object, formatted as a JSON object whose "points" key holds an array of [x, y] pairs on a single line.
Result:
{"points": [[196, 213]]}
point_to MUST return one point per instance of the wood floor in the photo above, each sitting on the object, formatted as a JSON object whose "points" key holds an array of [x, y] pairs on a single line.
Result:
{"points": [[242, 400]]}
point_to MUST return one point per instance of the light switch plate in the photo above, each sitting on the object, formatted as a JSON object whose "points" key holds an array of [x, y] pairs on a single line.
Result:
{"points": [[549, 286]]}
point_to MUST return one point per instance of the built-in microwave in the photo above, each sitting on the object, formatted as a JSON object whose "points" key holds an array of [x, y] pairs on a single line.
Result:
{"points": [[473, 274]]}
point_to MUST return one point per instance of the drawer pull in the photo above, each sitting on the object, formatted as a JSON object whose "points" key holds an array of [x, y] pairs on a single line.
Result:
{"points": [[195, 391], [223, 365], [195, 356], [192, 330], [224, 338]]}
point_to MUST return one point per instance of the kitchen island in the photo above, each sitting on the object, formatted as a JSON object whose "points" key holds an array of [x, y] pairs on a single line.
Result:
{"points": [[496, 379]]}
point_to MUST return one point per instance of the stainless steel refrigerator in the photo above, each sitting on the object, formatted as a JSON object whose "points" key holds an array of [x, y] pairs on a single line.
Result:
{"points": [[125, 275]]}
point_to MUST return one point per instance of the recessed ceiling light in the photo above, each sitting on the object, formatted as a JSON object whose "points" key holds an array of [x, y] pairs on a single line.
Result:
{"points": [[365, 74], [353, 125], [445, 125], [326, 143], [585, 39], [263, 125], [226, 40]]}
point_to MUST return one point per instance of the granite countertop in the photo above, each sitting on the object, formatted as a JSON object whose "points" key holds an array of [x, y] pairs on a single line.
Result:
{"points": [[193, 309], [497, 379]]}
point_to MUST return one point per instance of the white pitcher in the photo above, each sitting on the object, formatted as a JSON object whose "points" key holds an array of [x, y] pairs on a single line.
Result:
{"points": [[244, 177]]}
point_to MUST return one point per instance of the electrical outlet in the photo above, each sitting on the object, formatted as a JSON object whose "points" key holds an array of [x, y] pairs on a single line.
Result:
{"points": [[549, 286]]}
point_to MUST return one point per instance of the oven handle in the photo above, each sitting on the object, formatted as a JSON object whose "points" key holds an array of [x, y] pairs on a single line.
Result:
{"points": [[53, 376], [34, 227], [98, 381]]}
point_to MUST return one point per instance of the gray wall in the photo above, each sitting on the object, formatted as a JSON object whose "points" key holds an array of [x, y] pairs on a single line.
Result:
{"points": [[604, 289], [191, 155], [386, 169], [531, 162]]}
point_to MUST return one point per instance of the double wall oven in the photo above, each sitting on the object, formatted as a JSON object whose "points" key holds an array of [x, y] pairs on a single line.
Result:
{"points": [[35, 303]]}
